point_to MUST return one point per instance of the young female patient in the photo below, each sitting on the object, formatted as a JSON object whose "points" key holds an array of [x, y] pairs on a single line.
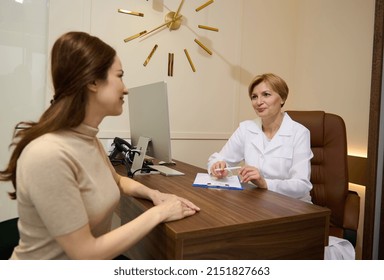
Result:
{"points": [[65, 186]]}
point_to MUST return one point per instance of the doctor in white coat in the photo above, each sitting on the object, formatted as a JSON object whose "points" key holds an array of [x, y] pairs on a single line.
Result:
{"points": [[274, 150]]}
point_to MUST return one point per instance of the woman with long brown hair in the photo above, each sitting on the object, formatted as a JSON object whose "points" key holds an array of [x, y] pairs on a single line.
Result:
{"points": [[65, 186]]}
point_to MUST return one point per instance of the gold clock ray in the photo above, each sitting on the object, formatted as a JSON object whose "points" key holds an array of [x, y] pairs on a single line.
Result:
{"points": [[172, 22]]}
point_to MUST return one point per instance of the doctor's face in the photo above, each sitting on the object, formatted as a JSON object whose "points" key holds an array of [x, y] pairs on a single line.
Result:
{"points": [[266, 102]]}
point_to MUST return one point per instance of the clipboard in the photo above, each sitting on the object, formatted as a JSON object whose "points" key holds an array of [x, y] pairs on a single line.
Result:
{"points": [[204, 180]]}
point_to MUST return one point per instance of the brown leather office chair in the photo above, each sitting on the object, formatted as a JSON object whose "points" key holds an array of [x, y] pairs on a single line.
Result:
{"points": [[329, 171]]}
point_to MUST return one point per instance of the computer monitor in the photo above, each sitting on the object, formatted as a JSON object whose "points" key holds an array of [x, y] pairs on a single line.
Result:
{"points": [[149, 117]]}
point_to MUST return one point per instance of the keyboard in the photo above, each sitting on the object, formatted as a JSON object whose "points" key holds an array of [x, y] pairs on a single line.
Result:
{"points": [[165, 170]]}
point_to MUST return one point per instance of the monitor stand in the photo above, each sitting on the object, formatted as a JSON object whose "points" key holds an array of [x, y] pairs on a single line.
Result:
{"points": [[138, 160]]}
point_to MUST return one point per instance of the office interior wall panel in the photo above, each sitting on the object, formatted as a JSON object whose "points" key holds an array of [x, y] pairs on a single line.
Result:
{"points": [[333, 63], [23, 26]]}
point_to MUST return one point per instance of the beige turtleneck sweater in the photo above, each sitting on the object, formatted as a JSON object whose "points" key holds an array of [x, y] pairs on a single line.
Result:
{"points": [[64, 181]]}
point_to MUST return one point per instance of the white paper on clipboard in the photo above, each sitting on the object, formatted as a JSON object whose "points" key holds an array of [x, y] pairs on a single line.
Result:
{"points": [[207, 181]]}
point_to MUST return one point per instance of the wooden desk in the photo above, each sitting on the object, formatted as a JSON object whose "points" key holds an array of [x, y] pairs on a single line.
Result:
{"points": [[248, 224]]}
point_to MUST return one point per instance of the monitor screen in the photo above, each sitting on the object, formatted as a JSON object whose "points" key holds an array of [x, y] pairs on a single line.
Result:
{"points": [[149, 117]]}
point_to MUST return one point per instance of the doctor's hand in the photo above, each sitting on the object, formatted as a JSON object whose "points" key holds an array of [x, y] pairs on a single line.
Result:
{"points": [[217, 169], [252, 174]]}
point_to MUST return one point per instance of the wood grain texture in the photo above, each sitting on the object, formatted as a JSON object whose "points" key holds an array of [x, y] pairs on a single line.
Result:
{"points": [[248, 224]]}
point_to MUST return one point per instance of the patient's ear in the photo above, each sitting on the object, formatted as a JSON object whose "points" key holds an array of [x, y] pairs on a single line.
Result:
{"points": [[92, 86]]}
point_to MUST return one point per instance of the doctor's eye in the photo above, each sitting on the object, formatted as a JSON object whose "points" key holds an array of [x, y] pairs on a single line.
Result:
{"points": [[253, 97], [266, 94]]}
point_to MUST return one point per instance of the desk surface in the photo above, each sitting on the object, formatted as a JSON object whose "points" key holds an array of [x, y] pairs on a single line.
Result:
{"points": [[248, 224]]}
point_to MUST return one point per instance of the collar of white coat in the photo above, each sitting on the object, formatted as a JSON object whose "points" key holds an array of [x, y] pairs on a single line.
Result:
{"points": [[285, 130]]}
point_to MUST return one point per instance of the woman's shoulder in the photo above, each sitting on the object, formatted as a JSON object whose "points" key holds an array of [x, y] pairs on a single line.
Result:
{"points": [[51, 139], [45, 146]]}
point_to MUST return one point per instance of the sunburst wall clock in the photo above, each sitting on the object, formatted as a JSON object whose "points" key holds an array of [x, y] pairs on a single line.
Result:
{"points": [[172, 21]]}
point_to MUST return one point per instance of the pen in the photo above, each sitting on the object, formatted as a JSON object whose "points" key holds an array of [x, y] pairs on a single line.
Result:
{"points": [[228, 168]]}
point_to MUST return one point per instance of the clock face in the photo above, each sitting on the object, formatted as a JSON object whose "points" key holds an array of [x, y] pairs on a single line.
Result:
{"points": [[175, 29]]}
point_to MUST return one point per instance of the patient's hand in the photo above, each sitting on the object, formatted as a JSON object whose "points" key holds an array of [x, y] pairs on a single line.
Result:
{"points": [[162, 197]]}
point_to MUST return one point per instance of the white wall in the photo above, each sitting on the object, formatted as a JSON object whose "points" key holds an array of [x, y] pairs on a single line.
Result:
{"points": [[323, 48], [334, 61], [22, 76]]}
